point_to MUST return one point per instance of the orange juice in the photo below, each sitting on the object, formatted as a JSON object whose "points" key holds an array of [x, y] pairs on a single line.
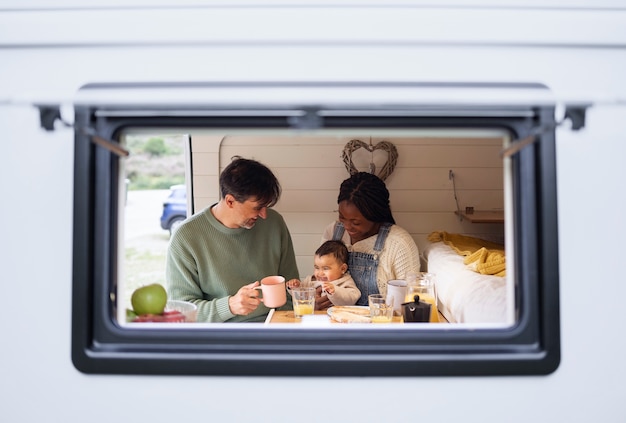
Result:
{"points": [[300, 308], [381, 319], [303, 300], [380, 312]]}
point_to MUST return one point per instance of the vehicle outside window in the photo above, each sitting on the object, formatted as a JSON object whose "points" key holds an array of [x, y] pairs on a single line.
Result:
{"points": [[174, 208]]}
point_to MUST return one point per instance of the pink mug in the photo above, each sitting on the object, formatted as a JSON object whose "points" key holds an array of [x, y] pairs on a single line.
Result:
{"points": [[273, 289]]}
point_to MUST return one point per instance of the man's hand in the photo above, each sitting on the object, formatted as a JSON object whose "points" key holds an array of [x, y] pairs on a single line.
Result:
{"points": [[245, 301], [321, 301]]}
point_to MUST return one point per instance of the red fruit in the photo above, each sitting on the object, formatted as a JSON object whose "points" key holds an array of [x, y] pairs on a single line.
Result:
{"points": [[173, 316], [146, 318]]}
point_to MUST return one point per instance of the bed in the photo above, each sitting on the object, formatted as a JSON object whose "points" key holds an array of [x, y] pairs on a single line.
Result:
{"points": [[464, 294]]}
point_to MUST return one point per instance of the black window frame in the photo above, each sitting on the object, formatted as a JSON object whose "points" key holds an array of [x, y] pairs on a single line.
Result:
{"points": [[101, 346]]}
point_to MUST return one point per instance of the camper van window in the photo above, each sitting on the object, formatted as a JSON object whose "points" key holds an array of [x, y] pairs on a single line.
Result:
{"points": [[482, 217]]}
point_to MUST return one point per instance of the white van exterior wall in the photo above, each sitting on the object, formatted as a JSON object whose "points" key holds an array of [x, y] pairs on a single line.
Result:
{"points": [[47, 54]]}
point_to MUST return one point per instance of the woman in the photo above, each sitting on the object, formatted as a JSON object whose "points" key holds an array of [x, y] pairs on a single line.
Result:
{"points": [[380, 250]]}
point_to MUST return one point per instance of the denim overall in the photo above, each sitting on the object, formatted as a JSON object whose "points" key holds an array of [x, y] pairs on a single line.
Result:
{"points": [[363, 266]]}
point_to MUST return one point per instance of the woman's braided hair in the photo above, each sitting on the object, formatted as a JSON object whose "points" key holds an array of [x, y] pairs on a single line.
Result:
{"points": [[369, 194]]}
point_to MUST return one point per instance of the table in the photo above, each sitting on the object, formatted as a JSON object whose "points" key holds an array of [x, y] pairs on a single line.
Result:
{"points": [[287, 316]]}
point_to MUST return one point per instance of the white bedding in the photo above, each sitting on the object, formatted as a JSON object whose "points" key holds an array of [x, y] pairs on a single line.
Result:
{"points": [[465, 296]]}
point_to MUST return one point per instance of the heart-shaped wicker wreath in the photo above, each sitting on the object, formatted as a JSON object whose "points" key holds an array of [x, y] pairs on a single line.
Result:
{"points": [[388, 167]]}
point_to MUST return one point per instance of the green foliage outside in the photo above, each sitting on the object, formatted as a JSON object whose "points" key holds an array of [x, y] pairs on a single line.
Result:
{"points": [[155, 147], [155, 162]]}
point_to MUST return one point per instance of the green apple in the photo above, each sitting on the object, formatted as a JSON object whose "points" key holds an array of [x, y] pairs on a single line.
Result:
{"points": [[149, 299]]}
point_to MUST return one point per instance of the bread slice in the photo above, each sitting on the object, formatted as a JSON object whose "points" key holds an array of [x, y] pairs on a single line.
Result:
{"points": [[361, 311], [350, 315]]}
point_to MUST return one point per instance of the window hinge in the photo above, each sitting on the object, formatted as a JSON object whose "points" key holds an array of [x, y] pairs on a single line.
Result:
{"points": [[576, 115], [50, 114]]}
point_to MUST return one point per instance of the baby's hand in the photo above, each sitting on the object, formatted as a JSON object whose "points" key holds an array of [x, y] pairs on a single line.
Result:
{"points": [[293, 283], [328, 287]]}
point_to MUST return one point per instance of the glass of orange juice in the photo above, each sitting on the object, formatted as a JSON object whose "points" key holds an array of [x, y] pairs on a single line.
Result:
{"points": [[303, 301], [381, 310]]}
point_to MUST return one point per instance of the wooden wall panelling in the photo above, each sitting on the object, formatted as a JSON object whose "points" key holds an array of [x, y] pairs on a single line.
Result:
{"points": [[310, 169]]}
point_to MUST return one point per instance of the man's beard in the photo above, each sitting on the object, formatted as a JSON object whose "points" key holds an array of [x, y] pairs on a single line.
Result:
{"points": [[249, 224]]}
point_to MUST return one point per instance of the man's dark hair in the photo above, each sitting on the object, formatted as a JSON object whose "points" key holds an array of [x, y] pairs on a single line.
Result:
{"points": [[245, 179], [336, 248], [369, 194]]}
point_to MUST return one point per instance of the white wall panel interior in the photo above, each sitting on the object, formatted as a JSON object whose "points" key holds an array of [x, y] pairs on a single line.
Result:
{"points": [[311, 169]]}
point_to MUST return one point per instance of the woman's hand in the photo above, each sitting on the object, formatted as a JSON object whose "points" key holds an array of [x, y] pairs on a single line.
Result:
{"points": [[321, 301]]}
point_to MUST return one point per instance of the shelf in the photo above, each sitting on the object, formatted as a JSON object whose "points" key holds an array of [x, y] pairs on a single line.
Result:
{"points": [[483, 216]]}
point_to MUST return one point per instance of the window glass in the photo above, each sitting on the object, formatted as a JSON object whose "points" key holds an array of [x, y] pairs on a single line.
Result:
{"points": [[447, 188], [154, 174]]}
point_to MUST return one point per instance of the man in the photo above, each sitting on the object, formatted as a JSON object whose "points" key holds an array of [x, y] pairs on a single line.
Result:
{"points": [[216, 257]]}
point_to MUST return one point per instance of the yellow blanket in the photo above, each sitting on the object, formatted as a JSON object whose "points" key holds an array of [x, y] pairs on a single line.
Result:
{"points": [[481, 256]]}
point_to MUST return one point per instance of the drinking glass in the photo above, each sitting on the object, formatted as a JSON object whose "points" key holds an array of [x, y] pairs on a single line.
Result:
{"points": [[303, 301], [381, 311]]}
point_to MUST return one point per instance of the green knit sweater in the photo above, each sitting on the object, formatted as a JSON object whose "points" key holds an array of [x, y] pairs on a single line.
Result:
{"points": [[208, 262]]}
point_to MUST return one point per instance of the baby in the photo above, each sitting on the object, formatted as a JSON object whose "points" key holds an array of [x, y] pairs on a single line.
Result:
{"points": [[330, 272]]}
